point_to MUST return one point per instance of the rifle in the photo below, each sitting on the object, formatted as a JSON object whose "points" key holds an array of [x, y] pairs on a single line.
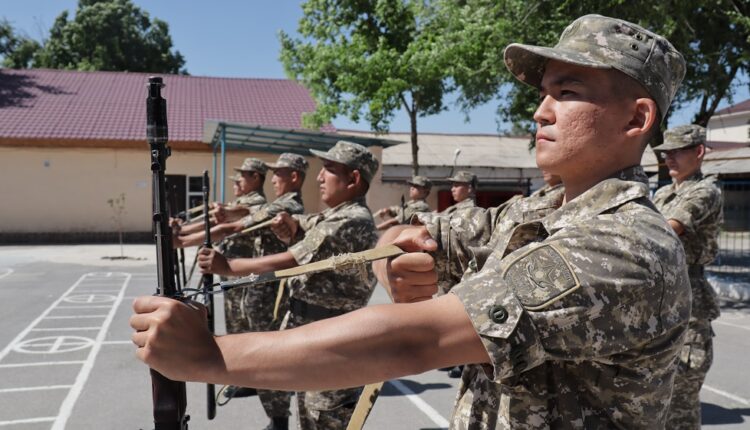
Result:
{"points": [[169, 401], [184, 214], [179, 254], [208, 280], [251, 229]]}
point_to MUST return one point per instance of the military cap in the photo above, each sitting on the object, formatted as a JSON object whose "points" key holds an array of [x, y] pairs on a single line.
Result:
{"points": [[683, 136], [353, 155], [464, 177], [289, 160], [252, 165], [606, 43], [420, 181]]}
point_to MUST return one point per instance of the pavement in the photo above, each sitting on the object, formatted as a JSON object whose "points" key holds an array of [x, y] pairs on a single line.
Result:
{"points": [[67, 361]]}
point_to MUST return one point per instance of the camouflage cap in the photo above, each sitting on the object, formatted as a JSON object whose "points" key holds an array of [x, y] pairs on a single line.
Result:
{"points": [[683, 136], [252, 165], [353, 155], [464, 177], [289, 160], [606, 43], [420, 181]]}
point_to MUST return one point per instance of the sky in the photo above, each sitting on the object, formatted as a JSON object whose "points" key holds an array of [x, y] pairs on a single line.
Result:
{"points": [[226, 38]]}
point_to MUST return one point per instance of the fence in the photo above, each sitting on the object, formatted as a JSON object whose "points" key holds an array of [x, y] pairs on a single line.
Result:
{"points": [[734, 237]]}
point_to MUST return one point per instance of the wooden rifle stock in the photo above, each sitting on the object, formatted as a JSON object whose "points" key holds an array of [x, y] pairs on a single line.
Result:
{"points": [[169, 398]]}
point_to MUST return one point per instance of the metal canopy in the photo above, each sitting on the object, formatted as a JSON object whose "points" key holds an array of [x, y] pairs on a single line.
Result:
{"points": [[223, 135]]}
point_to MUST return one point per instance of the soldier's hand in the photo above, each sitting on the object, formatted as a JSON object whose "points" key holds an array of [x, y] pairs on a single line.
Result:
{"points": [[284, 227], [219, 213], [172, 337], [410, 277], [212, 261]]}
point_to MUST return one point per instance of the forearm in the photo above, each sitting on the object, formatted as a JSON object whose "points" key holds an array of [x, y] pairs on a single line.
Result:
{"points": [[373, 344], [235, 213], [188, 240], [268, 263]]}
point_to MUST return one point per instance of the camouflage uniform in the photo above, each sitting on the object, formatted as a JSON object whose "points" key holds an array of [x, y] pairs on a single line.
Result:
{"points": [[582, 308], [462, 176], [258, 303], [410, 208], [348, 227], [581, 326], [236, 320], [697, 204]]}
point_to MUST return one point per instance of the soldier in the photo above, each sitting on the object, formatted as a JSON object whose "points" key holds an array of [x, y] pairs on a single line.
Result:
{"points": [[692, 205], [551, 184], [575, 311], [419, 189], [463, 191], [248, 191], [347, 226]]}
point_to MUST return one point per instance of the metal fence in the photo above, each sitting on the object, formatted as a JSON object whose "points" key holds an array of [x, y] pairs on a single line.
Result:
{"points": [[734, 238]]}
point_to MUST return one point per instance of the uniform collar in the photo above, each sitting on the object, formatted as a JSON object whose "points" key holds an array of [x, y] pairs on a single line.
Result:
{"points": [[626, 185], [695, 177]]}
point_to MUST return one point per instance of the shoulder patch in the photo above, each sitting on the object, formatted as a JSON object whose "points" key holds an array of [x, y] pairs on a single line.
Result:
{"points": [[540, 276]]}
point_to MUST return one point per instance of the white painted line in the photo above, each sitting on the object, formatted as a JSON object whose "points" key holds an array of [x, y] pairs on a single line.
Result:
{"points": [[44, 314], [117, 342], [85, 307], [5, 272], [73, 317], [27, 421], [48, 387], [731, 325], [737, 399], [40, 363], [107, 291], [420, 404], [70, 400], [65, 328]]}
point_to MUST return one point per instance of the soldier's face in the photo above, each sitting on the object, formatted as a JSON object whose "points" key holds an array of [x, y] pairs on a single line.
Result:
{"points": [[580, 121], [250, 181], [416, 192], [237, 189], [460, 191], [335, 181], [682, 163], [282, 181]]}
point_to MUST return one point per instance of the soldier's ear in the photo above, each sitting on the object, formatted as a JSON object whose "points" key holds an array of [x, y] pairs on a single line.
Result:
{"points": [[355, 177]]}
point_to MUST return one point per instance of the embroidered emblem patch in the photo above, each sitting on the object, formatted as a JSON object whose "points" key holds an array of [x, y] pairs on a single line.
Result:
{"points": [[540, 277]]}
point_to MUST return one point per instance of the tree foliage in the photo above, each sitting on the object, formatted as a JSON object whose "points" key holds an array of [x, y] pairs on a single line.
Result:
{"points": [[108, 35], [17, 50], [368, 59], [713, 35]]}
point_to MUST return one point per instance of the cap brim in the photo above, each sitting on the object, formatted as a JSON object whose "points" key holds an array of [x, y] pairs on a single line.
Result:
{"points": [[324, 155], [527, 62], [672, 146]]}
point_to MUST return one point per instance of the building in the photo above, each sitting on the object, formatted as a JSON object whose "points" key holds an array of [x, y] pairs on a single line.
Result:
{"points": [[730, 127], [71, 141]]}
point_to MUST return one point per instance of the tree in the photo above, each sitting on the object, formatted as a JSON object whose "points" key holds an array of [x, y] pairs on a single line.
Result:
{"points": [[109, 35], [713, 35], [17, 50], [369, 58]]}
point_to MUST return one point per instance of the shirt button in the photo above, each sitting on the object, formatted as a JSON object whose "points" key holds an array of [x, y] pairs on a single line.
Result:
{"points": [[498, 314]]}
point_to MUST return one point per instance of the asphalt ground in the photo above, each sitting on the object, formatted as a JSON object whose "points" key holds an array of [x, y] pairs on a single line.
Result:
{"points": [[67, 362]]}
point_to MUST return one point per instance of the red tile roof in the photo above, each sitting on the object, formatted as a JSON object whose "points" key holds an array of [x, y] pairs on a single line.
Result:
{"points": [[58, 104], [739, 107]]}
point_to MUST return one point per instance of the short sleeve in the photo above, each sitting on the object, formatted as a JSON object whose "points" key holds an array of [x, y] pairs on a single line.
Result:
{"points": [[307, 248], [584, 293], [695, 207]]}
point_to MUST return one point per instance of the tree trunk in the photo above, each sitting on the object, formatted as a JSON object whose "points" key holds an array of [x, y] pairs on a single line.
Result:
{"points": [[414, 145]]}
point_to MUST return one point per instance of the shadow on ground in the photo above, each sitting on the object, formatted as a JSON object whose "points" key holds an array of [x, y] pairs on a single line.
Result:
{"points": [[715, 414], [416, 387]]}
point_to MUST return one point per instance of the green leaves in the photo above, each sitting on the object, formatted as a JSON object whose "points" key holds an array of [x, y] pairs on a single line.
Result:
{"points": [[105, 35]]}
